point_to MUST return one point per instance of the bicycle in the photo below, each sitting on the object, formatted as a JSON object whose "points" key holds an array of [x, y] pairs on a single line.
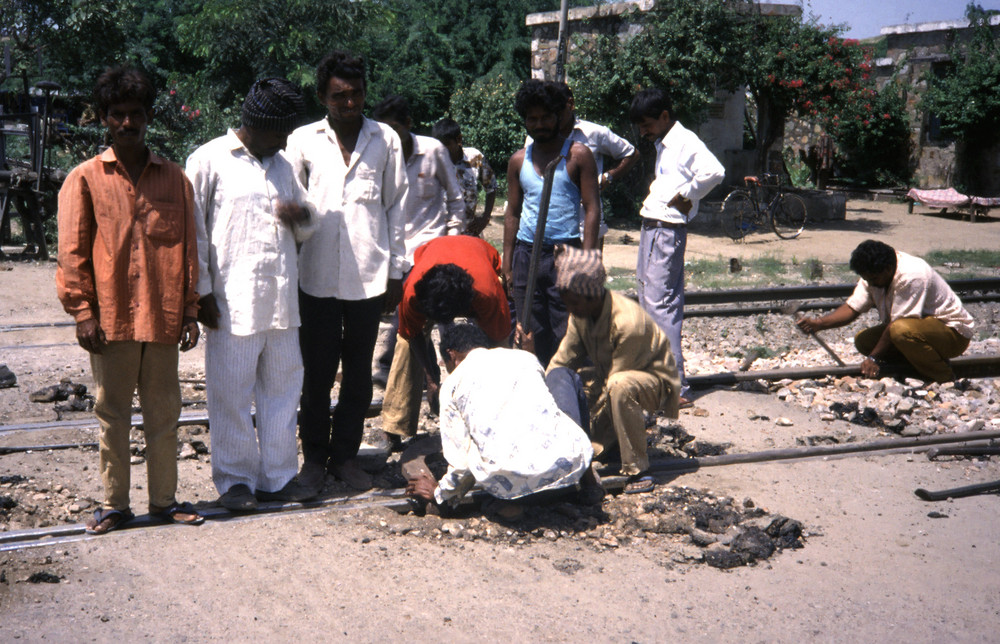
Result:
{"points": [[744, 209]]}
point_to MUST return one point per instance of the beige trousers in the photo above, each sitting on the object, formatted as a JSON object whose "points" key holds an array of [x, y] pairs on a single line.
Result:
{"points": [[403, 392], [926, 343], [118, 371], [616, 415]]}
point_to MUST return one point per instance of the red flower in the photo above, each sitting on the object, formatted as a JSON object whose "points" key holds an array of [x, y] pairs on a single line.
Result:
{"points": [[184, 108]]}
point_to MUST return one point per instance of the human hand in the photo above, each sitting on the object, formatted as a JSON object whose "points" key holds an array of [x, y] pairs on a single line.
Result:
{"points": [[524, 340], [208, 311], [290, 213], [393, 294], [421, 487], [681, 204], [189, 334], [870, 367], [90, 335], [478, 225], [809, 324]]}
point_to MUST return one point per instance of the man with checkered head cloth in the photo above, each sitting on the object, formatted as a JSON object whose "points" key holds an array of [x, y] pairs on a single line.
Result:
{"points": [[250, 212], [632, 366]]}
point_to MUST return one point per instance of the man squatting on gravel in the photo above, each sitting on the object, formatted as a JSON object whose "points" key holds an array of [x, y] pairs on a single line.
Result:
{"points": [[923, 322]]}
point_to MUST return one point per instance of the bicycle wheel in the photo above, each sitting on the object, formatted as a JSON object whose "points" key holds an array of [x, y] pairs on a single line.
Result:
{"points": [[737, 214], [788, 216]]}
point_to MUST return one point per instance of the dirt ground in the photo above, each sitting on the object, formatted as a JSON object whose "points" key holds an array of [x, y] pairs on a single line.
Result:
{"points": [[877, 563]]}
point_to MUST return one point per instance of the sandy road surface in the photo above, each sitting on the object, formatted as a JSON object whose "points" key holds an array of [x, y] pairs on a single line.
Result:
{"points": [[875, 566]]}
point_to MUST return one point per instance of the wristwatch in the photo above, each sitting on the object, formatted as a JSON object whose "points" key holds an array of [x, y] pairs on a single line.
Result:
{"points": [[606, 176]]}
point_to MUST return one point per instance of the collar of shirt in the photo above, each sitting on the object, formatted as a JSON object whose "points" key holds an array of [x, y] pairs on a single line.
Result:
{"points": [[419, 150], [109, 156]]}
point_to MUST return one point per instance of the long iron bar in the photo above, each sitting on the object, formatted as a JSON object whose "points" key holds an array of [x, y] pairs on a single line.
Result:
{"points": [[976, 366], [538, 241], [806, 292]]}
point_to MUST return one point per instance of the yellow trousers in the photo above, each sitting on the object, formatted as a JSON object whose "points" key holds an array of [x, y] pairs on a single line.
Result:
{"points": [[616, 415], [926, 343], [118, 371]]}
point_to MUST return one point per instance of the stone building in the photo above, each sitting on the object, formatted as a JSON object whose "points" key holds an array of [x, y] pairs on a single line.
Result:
{"points": [[914, 52]]}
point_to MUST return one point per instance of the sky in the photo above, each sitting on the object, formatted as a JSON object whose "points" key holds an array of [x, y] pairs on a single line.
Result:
{"points": [[867, 17]]}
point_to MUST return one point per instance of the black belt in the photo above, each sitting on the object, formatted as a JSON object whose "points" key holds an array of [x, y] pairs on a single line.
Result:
{"points": [[656, 223]]}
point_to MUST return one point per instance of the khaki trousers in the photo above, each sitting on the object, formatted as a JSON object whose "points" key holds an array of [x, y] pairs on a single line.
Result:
{"points": [[926, 343], [118, 371], [616, 416], [403, 389]]}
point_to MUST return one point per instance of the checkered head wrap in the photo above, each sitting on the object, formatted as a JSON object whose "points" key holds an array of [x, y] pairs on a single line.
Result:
{"points": [[273, 104], [579, 271]]}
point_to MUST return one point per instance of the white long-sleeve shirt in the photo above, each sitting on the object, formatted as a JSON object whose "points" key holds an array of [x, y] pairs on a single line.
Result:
{"points": [[916, 291], [359, 240], [501, 428], [685, 166], [246, 256], [434, 204]]}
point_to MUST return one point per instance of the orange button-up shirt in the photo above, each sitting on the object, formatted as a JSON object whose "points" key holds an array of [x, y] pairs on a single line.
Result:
{"points": [[127, 252]]}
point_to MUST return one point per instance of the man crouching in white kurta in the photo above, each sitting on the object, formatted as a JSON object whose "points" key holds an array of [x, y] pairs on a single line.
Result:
{"points": [[506, 426], [249, 216]]}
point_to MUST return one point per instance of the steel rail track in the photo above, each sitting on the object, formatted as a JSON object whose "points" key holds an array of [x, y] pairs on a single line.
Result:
{"points": [[980, 289], [396, 499]]}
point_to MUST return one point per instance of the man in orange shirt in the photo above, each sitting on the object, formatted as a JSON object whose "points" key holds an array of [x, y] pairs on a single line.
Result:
{"points": [[452, 277], [128, 270]]}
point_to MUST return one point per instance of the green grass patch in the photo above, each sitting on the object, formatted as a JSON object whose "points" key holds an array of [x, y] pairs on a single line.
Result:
{"points": [[966, 258], [621, 279]]}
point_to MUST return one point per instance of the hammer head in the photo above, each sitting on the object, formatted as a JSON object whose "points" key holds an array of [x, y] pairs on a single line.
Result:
{"points": [[792, 308]]}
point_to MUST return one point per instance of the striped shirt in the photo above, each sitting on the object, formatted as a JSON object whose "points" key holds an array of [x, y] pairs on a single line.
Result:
{"points": [[127, 252]]}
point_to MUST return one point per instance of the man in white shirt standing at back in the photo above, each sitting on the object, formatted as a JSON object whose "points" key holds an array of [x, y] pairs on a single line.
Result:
{"points": [[350, 270], [685, 172], [603, 143], [249, 213]]}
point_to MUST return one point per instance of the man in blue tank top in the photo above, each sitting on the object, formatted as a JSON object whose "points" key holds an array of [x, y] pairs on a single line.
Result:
{"points": [[575, 185]]}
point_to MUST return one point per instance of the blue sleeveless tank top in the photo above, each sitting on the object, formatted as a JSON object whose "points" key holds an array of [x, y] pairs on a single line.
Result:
{"points": [[563, 221]]}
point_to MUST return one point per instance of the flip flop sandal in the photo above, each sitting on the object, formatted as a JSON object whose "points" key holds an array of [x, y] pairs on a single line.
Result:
{"points": [[170, 513], [640, 485], [116, 519]]}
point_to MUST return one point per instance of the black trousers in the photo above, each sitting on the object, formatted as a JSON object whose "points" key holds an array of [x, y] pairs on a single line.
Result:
{"points": [[336, 332], [548, 313]]}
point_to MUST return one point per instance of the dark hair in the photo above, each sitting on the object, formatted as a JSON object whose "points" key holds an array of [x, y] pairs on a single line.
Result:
{"points": [[536, 93], [444, 292], [121, 84], [339, 64], [446, 130], [872, 257], [392, 108], [462, 338], [650, 103]]}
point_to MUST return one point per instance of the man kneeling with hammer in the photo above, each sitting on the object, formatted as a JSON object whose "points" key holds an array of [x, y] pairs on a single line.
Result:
{"points": [[921, 318]]}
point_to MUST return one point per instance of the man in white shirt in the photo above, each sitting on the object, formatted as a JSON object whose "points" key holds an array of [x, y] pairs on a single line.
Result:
{"points": [[249, 213], [685, 172], [350, 269], [921, 318], [502, 425], [603, 143], [434, 206]]}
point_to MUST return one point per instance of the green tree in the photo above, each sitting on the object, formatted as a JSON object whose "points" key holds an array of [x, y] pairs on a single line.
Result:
{"points": [[967, 98]]}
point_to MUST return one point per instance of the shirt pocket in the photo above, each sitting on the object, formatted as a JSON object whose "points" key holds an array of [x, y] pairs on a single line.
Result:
{"points": [[164, 223], [364, 185]]}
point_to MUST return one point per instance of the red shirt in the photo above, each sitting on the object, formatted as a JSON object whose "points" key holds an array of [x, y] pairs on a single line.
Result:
{"points": [[478, 259]]}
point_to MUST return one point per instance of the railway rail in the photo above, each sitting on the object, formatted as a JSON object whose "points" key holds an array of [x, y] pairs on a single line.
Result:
{"points": [[396, 500]]}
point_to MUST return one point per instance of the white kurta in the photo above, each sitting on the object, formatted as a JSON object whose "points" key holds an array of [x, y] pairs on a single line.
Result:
{"points": [[248, 262], [502, 429]]}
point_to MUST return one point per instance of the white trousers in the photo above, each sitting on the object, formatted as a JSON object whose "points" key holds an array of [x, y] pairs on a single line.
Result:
{"points": [[266, 369]]}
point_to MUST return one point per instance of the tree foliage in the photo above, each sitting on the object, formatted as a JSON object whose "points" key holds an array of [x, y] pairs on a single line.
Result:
{"points": [[967, 96]]}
